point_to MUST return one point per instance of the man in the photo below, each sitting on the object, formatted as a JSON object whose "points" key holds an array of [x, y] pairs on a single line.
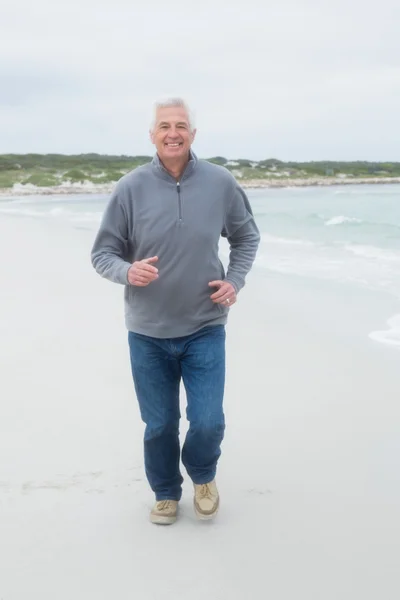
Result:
{"points": [[159, 238]]}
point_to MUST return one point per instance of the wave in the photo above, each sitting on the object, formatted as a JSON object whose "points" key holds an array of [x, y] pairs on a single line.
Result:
{"points": [[386, 190], [340, 222], [376, 253], [390, 336], [373, 252], [267, 238], [368, 267], [22, 213], [358, 226], [342, 219], [58, 212]]}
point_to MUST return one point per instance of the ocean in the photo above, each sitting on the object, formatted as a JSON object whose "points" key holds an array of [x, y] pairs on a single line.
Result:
{"points": [[346, 235]]}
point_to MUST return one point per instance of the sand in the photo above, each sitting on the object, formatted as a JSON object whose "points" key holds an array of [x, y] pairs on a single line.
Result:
{"points": [[309, 477], [88, 187]]}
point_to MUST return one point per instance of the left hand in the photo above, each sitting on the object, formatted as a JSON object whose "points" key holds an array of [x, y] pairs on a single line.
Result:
{"points": [[225, 294]]}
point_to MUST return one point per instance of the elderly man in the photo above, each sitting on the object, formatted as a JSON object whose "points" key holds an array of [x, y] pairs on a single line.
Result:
{"points": [[159, 238]]}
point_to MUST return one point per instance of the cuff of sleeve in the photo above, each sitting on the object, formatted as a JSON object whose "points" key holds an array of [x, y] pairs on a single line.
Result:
{"points": [[236, 284], [123, 273]]}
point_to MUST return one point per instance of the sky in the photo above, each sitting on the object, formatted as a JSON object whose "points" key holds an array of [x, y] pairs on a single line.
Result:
{"points": [[294, 80]]}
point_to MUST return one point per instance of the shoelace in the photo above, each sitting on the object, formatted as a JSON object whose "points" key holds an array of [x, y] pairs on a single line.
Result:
{"points": [[205, 491], [164, 505]]}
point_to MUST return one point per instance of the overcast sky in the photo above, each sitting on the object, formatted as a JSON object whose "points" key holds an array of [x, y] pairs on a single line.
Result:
{"points": [[294, 80]]}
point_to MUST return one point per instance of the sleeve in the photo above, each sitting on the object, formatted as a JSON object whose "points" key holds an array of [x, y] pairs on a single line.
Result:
{"points": [[243, 236], [110, 248]]}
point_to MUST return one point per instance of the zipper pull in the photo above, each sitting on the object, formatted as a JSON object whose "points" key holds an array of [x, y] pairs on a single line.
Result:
{"points": [[178, 188]]}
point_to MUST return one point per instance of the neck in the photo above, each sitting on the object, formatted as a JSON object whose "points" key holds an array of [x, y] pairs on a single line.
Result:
{"points": [[175, 167]]}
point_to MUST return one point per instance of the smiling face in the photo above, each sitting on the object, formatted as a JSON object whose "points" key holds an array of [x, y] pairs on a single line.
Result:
{"points": [[171, 134]]}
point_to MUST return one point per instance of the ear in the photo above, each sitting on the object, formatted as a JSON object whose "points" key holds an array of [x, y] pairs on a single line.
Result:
{"points": [[193, 134], [151, 134]]}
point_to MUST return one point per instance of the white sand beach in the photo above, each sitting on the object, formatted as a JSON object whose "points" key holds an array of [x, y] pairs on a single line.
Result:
{"points": [[309, 477], [88, 187]]}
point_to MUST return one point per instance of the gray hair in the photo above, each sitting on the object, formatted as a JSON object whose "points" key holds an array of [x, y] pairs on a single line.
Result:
{"points": [[172, 102]]}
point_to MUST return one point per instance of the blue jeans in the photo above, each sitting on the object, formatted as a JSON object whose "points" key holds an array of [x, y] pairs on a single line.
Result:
{"points": [[158, 365]]}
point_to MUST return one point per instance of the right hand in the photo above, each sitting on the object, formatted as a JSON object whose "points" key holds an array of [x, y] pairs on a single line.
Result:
{"points": [[142, 272]]}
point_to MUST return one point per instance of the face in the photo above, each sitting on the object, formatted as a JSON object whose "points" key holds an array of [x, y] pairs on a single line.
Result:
{"points": [[171, 134]]}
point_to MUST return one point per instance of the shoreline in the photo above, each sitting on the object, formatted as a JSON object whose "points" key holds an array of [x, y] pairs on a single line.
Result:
{"points": [[317, 182], [91, 188]]}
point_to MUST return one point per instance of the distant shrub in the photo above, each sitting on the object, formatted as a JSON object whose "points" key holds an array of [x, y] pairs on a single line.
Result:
{"points": [[107, 177], [218, 160], [6, 183], [74, 175], [41, 180]]}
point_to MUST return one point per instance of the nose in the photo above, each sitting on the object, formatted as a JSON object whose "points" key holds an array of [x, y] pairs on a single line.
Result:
{"points": [[173, 133]]}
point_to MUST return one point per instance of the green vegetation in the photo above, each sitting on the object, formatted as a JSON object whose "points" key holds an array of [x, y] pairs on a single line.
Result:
{"points": [[41, 179], [56, 169]]}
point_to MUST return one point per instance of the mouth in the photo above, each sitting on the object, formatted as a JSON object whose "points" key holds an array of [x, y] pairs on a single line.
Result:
{"points": [[174, 144]]}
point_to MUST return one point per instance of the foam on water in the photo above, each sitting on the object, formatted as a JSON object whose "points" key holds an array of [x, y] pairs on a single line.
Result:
{"points": [[372, 267], [58, 212], [373, 252], [342, 219], [373, 190], [265, 237], [390, 336]]}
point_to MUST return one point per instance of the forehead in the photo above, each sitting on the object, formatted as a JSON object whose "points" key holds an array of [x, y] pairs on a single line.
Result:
{"points": [[172, 114]]}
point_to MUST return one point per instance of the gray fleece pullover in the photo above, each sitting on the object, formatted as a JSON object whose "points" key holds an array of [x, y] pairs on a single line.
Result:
{"points": [[151, 214]]}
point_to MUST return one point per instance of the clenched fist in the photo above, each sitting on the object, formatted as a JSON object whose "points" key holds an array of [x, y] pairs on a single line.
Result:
{"points": [[142, 272]]}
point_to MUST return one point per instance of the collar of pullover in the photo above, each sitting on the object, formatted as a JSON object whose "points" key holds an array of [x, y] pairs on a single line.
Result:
{"points": [[161, 171]]}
